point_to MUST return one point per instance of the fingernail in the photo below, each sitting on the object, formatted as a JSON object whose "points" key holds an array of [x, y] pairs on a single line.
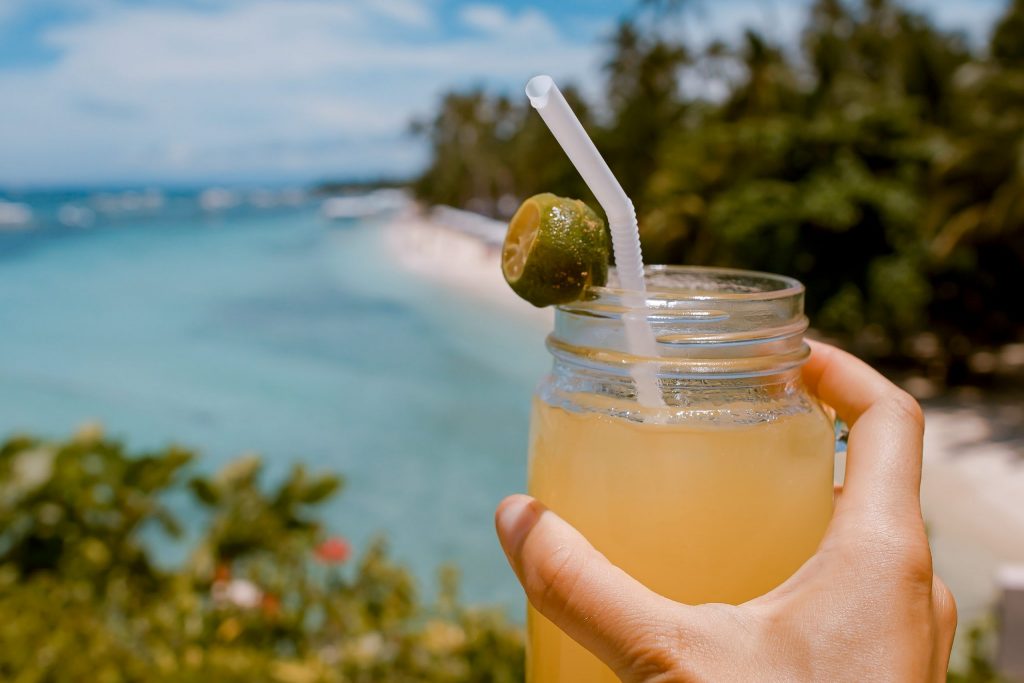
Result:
{"points": [[516, 516]]}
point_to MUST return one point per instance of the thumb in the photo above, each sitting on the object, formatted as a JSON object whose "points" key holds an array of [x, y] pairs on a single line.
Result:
{"points": [[572, 584]]}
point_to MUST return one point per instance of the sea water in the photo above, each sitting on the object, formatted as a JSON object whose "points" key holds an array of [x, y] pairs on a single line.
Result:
{"points": [[277, 332]]}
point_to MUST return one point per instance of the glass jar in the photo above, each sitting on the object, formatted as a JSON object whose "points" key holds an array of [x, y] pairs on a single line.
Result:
{"points": [[718, 495]]}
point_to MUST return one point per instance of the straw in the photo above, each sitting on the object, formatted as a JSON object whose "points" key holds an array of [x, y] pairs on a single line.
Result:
{"points": [[549, 102]]}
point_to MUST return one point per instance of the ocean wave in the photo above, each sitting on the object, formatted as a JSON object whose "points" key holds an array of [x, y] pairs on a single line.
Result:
{"points": [[362, 206], [14, 215]]}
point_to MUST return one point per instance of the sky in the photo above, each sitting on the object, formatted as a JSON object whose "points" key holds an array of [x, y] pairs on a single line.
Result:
{"points": [[136, 92]]}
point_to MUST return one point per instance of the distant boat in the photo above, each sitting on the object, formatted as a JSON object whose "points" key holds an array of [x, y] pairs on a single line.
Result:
{"points": [[14, 216], [365, 205], [75, 216], [131, 201], [218, 199]]}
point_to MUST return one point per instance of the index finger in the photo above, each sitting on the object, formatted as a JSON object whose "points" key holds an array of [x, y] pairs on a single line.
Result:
{"points": [[883, 460]]}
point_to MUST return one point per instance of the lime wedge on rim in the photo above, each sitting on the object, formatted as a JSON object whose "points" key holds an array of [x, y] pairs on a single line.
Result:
{"points": [[555, 248]]}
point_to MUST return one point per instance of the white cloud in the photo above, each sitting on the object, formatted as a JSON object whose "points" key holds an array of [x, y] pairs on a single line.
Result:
{"points": [[529, 24], [490, 18], [408, 12], [322, 86], [9, 9]]}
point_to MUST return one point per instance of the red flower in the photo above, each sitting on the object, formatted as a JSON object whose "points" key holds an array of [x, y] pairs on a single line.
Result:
{"points": [[271, 605], [222, 573], [334, 550]]}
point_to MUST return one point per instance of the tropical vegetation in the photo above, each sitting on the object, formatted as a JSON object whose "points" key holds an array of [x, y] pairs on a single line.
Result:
{"points": [[265, 594], [879, 159]]}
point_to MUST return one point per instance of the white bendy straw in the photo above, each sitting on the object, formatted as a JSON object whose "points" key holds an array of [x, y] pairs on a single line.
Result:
{"points": [[548, 100]]}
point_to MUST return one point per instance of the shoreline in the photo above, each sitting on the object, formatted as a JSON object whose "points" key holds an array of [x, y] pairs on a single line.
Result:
{"points": [[973, 470], [464, 258]]}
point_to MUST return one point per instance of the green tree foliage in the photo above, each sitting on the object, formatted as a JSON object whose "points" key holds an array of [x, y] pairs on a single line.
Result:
{"points": [[879, 160], [265, 596], [485, 148], [644, 99]]}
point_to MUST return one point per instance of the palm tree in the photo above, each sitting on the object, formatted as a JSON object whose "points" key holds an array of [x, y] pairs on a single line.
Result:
{"points": [[1006, 45], [769, 85], [645, 103]]}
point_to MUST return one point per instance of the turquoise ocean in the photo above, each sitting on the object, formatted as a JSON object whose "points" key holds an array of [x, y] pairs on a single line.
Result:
{"points": [[265, 328]]}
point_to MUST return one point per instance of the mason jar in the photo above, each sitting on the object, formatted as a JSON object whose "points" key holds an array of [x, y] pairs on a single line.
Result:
{"points": [[716, 493]]}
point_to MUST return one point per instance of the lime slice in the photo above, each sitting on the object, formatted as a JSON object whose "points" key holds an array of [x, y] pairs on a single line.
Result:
{"points": [[555, 248]]}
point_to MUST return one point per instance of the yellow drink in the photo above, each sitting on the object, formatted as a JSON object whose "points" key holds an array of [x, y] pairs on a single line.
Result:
{"points": [[698, 512]]}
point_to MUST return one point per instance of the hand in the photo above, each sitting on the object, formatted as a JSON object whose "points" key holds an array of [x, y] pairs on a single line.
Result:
{"points": [[865, 607]]}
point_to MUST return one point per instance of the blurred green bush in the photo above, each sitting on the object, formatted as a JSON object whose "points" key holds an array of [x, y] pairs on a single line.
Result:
{"points": [[880, 160], [264, 596]]}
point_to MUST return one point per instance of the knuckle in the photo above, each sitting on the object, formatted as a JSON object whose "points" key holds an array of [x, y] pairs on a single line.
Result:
{"points": [[906, 407], [912, 559], [917, 554], [554, 579], [893, 548], [658, 657], [917, 568], [653, 664], [945, 606], [673, 649]]}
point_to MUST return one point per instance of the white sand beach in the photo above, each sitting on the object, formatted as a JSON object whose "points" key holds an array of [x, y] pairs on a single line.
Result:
{"points": [[461, 251], [972, 488], [972, 492]]}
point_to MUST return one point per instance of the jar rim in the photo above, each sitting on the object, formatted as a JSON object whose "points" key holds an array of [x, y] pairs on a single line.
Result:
{"points": [[695, 284], [703, 320]]}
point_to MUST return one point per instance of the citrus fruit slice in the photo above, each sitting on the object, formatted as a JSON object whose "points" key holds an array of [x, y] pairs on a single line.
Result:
{"points": [[555, 248]]}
